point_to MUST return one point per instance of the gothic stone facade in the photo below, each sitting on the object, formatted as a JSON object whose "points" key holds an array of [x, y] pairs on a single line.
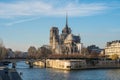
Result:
{"points": [[66, 42]]}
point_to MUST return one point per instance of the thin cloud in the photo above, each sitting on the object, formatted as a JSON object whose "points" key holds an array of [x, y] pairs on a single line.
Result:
{"points": [[40, 8], [21, 21]]}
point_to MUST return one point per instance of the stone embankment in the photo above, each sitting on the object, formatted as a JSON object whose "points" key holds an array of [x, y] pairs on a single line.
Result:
{"points": [[74, 64], [9, 74]]}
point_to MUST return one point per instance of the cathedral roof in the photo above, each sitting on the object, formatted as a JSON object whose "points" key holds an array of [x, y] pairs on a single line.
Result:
{"points": [[54, 28], [77, 39], [72, 38]]}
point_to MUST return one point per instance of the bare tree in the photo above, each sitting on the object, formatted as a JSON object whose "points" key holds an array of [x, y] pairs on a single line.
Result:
{"points": [[45, 52], [1, 42], [94, 54], [18, 54], [32, 52], [3, 50], [38, 55], [84, 51]]}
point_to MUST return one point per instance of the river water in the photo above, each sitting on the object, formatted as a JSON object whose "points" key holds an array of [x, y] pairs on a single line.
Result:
{"points": [[37, 73]]}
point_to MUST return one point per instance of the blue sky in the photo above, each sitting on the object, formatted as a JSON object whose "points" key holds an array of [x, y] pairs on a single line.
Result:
{"points": [[25, 23]]}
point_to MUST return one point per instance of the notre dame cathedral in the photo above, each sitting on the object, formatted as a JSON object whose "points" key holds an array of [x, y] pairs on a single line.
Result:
{"points": [[66, 42]]}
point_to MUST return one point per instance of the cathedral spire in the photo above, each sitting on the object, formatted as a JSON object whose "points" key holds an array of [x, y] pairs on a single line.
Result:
{"points": [[66, 20], [66, 29]]}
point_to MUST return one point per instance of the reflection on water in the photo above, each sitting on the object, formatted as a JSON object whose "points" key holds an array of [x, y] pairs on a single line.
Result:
{"points": [[113, 74], [55, 74]]}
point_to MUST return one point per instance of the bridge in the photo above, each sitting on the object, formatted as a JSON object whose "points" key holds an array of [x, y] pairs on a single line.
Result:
{"points": [[14, 61]]}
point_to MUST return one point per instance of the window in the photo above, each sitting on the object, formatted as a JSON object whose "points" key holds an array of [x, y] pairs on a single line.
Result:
{"points": [[68, 66]]}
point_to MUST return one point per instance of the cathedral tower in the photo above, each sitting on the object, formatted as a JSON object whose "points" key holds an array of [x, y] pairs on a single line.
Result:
{"points": [[54, 37]]}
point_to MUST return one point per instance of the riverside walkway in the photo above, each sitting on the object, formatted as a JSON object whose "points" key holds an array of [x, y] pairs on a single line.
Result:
{"points": [[9, 74]]}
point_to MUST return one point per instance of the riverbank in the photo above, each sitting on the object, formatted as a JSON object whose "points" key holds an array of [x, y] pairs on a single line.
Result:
{"points": [[78, 64], [9, 74]]}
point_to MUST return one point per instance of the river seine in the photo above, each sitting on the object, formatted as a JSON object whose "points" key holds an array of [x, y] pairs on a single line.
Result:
{"points": [[37, 73]]}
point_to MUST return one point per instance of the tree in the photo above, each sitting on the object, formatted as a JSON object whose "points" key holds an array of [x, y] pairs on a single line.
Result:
{"points": [[84, 51], [114, 57], [38, 55], [3, 52], [45, 52], [94, 54], [18, 54], [32, 52], [1, 43]]}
